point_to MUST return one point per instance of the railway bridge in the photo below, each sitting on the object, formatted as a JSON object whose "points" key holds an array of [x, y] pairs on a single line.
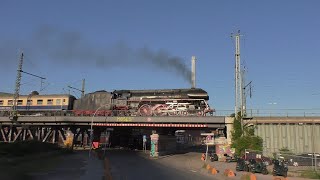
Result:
{"points": [[55, 129], [299, 134]]}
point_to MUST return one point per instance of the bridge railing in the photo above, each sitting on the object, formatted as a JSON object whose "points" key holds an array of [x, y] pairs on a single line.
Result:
{"points": [[273, 112]]}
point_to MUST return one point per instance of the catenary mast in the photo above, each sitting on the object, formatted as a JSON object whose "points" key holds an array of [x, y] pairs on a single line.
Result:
{"points": [[17, 87], [238, 77]]}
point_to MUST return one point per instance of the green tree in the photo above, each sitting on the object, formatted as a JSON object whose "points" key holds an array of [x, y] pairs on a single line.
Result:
{"points": [[244, 138], [237, 130]]}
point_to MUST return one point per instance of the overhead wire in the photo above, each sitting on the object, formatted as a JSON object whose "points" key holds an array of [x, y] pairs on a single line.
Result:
{"points": [[27, 60]]}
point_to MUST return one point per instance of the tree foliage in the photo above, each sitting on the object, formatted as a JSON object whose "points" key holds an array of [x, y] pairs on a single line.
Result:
{"points": [[244, 138], [237, 130]]}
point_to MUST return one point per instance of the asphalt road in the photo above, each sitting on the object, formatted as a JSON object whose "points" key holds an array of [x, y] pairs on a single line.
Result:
{"points": [[127, 165]]}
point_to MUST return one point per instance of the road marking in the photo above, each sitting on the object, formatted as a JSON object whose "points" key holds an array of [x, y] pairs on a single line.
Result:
{"points": [[193, 170]]}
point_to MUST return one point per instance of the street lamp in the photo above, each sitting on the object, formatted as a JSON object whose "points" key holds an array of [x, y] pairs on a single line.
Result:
{"points": [[91, 130]]}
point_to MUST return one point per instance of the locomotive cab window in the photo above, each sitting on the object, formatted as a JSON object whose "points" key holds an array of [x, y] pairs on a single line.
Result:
{"points": [[1, 102], [39, 102], [58, 102], [50, 101], [20, 102], [10, 102]]}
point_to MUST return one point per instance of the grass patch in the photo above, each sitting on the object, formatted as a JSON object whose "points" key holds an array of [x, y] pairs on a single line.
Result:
{"points": [[311, 174]]}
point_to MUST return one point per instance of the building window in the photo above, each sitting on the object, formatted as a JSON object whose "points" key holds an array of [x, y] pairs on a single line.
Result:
{"points": [[39, 102], [58, 102], [64, 100], [29, 102], [1, 102], [10, 102], [50, 101], [20, 102]]}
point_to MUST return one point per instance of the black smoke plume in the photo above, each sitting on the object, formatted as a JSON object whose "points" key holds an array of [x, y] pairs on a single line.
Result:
{"points": [[71, 47]]}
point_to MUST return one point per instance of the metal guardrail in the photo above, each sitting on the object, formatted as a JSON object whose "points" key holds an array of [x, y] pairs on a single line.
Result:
{"points": [[273, 112]]}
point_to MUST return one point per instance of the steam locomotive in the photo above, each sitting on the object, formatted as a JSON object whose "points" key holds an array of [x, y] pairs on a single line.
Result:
{"points": [[162, 102]]}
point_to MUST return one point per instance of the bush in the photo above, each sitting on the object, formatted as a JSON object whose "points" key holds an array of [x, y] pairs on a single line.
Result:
{"points": [[247, 142], [244, 138]]}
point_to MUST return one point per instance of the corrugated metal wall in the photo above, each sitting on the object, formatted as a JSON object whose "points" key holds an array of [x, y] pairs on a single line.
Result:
{"points": [[300, 138]]}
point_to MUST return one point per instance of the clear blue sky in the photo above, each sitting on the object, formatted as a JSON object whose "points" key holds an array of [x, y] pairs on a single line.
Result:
{"points": [[66, 41]]}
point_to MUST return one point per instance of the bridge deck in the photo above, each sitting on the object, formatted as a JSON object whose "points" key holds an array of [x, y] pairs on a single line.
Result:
{"points": [[210, 121]]}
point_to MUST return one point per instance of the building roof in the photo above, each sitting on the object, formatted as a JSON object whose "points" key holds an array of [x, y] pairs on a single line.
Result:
{"points": [[7, 95]]}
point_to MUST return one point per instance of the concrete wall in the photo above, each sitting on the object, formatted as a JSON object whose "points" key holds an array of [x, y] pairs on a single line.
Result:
{"points": [[299, 134], [229, 126], [299, 138]]}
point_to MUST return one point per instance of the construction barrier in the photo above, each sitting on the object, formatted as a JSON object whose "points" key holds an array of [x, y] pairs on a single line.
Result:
{"points": [[95, 145], [211, 170]]}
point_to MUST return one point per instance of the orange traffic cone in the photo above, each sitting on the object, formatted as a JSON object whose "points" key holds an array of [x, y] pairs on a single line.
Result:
{"points": [[214, 171], [229, 173]]}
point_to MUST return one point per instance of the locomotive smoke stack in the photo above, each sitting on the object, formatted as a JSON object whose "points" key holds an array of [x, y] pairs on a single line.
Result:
{"points": [[193, 72]]}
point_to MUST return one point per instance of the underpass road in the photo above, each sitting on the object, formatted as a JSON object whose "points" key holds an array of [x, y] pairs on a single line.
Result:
{"points": [[131, 165]]}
